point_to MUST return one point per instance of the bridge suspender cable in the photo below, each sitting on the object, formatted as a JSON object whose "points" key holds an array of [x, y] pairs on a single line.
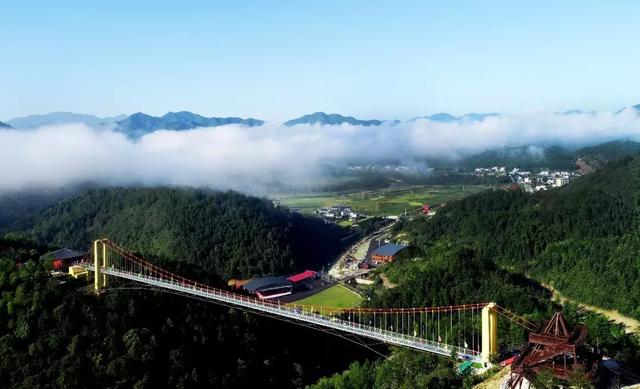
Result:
{"points": [[406, 327]]}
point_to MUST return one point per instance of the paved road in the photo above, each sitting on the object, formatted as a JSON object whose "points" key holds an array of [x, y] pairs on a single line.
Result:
{"points": [[359, 250]]}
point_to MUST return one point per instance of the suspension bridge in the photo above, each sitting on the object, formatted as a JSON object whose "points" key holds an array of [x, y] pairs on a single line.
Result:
{"points": [[468, 332]]}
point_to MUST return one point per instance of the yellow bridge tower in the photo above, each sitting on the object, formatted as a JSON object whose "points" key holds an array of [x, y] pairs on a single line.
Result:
{"points": [[489, 333], [100, 260]]}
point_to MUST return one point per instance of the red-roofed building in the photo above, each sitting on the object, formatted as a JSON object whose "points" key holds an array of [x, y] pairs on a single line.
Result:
{"points": [[63, 258], [305, 276]]}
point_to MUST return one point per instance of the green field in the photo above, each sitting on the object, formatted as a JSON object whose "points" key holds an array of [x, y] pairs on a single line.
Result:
{"points": [[336, 296], [381, 202]]}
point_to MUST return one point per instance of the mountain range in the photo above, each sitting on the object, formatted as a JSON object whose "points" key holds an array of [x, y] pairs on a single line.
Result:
{"points": [[323, 119], [57, 118], [139, 123], [444, 117]]}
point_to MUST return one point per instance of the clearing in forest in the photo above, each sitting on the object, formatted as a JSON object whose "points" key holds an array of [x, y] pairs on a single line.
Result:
{"points": [[336, 296]]}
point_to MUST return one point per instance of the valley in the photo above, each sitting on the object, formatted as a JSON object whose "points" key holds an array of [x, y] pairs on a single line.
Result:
{"points": [[393, 201], [319, 195], [443, 275]]}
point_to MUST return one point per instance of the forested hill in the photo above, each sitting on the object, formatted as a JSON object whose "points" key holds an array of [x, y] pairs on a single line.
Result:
{"points": [[582, 238], [16, 207], [54, 334], [537, 156], [227, 234]]}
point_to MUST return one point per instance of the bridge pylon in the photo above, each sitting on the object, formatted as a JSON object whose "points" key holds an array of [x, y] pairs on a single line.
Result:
{"points": [[489, 333], [100, 279]]}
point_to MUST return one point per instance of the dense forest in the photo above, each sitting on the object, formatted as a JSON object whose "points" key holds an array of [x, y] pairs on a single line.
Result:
{"points": [[55, 334], [403, 369], [16, 207], [447, 274], [226, 233], [581, 238], [406, 369]]}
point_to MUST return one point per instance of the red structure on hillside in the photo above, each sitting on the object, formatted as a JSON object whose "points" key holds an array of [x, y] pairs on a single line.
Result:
{"points": [[306, 275], [63, 258], [554, 348]]}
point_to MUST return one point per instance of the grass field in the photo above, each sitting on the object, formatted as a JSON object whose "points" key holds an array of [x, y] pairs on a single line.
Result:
{"points": [[336, 296], [382, 202]]}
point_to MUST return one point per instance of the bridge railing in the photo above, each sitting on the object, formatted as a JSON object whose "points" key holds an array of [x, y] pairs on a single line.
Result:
{"points": [[304, 314]]}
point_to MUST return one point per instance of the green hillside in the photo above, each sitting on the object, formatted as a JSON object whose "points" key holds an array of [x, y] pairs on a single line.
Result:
{"points": [[54, 334], [535, 156], [582, 237], [228, 234], [597, 156]]}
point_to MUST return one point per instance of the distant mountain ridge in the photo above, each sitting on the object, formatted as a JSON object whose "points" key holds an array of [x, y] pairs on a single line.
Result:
{"points": [[635, 108], [331, 119], [444, 117], [574, 111], [58, 118], [140, 123]]}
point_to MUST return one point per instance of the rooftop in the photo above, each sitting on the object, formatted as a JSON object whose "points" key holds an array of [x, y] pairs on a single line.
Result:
{"points": [[266, 282], [65, 253], [389, 249], [302, 276]]}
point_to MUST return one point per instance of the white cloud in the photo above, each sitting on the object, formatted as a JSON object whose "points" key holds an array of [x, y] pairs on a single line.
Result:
{"points": [[254, 158]]}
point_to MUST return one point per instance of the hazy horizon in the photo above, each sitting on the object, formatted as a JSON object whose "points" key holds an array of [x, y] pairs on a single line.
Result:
{"points": [[254, 159]]}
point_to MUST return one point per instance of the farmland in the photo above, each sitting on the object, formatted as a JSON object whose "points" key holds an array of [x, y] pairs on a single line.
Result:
{"points": [[383, 202]]}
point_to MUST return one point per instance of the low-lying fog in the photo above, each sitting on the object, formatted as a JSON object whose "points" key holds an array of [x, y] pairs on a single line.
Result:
{"points": [[254, 158]]}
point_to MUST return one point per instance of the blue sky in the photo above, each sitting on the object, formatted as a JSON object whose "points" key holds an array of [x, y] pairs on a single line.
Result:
{"points": [[280, 59]]}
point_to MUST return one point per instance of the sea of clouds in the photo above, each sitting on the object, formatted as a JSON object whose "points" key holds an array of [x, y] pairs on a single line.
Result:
{"points": [[255, 158]]}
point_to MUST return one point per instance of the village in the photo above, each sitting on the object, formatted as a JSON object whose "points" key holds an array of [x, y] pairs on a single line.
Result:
{"points": [[340, 212], [530, 181], [372, 168]]}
